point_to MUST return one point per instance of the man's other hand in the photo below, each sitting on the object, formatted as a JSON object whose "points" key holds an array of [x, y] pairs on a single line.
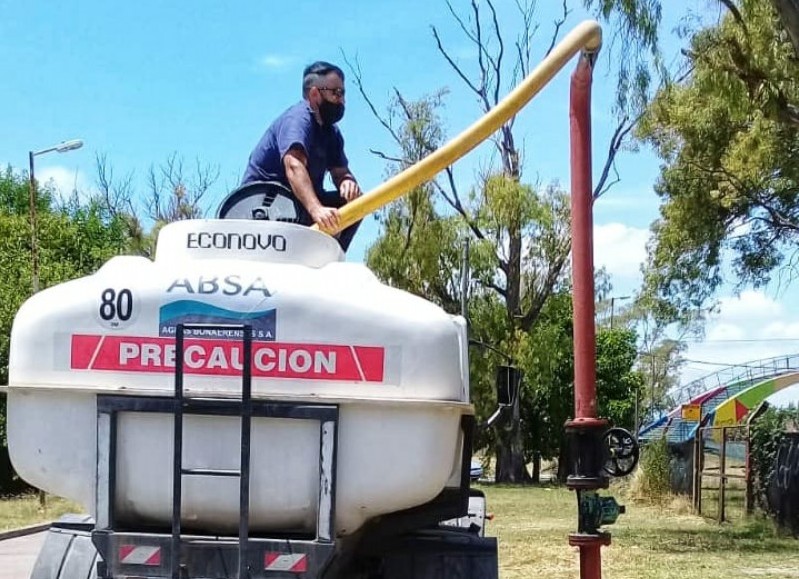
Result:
{"points": [[325, 217], [350, 189]]}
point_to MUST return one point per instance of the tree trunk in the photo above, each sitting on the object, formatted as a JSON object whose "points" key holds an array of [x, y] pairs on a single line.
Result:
{"points": [[510, 465], [510, 452], [788, 11]]}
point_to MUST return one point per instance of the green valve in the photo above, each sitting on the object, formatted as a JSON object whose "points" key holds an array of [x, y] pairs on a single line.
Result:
{"points": [[596, 511]]}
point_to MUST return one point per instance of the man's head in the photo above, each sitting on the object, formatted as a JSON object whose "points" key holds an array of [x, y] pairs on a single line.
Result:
{"points": [[323, 88]]}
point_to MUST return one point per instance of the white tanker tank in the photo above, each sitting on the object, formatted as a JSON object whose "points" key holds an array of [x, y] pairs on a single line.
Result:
{"points": [[323, 330]]}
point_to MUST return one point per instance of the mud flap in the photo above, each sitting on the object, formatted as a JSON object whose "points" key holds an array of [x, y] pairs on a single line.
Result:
{"points": [[442, 554], [475, 519]]}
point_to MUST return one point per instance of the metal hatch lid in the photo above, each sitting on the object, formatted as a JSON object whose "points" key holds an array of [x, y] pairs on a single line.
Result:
{"points": [[249, 240]]}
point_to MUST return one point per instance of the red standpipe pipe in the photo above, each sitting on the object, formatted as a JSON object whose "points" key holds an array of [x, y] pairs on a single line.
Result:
{"points": [[585, 403]]}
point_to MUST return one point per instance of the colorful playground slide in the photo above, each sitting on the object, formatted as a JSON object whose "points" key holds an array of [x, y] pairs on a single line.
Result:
{"points": [[733, 410]]}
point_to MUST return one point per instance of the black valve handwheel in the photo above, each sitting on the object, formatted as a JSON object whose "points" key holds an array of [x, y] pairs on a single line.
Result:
{"points": [[621, 452]]}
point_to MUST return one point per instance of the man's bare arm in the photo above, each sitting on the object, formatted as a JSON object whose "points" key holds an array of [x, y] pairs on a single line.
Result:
{"points": [[295, 164], [339, 174], [345, 182]]}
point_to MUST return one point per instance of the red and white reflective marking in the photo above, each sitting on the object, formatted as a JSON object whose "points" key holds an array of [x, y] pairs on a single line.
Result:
{"points": [[139, 555], [224, 358], [291, 562]]}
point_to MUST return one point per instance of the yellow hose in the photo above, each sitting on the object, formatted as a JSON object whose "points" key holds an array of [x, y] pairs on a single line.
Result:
{"points": [[585, 36]]}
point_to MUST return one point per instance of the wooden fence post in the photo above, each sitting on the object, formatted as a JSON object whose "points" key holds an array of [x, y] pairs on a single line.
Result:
{"points": [[722, 473], [700, 470], [749, 498]]}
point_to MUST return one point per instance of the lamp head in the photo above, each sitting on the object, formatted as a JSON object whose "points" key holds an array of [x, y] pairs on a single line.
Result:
{"points": [[69, 145]]}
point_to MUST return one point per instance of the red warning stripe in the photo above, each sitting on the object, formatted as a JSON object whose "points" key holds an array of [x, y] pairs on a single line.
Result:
{"points": [[224, 358], [139, 555], [287, 562]]}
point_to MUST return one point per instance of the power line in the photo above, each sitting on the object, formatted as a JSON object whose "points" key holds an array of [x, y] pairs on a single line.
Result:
{"points": [[727, 365], [695, 369]]}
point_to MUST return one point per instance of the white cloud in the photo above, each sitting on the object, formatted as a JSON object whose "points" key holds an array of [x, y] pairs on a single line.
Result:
{"points": [[65, 180], [621, 249], [783, 330], [625, 200], [740, 229], [724, 331], [786, 397], [750, 305], [276, 61], [750, 327]]}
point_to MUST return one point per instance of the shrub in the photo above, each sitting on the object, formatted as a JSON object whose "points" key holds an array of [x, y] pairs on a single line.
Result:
{"points": [[653, 479], [767, 433]]}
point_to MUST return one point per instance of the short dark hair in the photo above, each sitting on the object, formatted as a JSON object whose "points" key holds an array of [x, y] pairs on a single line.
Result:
{"points": [[317, 70]]}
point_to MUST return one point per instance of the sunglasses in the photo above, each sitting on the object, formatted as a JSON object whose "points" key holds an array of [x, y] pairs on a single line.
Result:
{"points": [[337, 92]]}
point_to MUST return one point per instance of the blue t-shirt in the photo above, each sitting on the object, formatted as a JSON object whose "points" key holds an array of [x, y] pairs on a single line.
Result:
{"points": [[296, 127]]}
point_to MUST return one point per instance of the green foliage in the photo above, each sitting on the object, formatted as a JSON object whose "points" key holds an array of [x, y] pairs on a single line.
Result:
{"points": [[73, 240], [636, 24], [416, 246], [767, 432], [617, 382], [519, 233], [15, 194], [519, 299], [654, 482], [546, 355], [727, 134]]}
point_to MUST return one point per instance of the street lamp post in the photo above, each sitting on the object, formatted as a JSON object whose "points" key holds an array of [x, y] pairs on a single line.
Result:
{"points": [[62, 147]]}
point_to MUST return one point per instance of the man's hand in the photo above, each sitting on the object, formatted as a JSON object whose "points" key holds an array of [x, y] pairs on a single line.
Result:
{"points": [[349, 189], [325, 217]]}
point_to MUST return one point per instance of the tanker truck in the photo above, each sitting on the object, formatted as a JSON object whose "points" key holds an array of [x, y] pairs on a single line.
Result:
{"points": [[248, 405]]}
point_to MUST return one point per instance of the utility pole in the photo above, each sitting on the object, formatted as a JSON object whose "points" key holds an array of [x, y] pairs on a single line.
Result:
{"points": [[62, 147], [613, 305], [465, 280], [652, 385]]}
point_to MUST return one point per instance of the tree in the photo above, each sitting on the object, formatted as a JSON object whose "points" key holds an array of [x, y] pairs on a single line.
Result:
{"points": [[519, 233], [727, 134], [419, 249], [74, 239], [172, 194], [547, 358], [660, 354]]}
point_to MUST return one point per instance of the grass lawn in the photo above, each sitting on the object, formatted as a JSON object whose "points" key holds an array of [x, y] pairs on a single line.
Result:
{"points": [[533, 525], [24, 511], [648, 541]]}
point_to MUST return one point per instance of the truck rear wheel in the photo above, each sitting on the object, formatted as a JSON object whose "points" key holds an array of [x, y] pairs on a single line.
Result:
{"points": [[444, 553], [68, 552]]}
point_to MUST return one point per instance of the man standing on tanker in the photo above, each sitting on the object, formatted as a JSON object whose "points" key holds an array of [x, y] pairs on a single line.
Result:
{"points": [[302, 144]]}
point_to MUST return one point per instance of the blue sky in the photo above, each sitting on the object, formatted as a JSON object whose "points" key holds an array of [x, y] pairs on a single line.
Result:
{"points": [[139, 81]]}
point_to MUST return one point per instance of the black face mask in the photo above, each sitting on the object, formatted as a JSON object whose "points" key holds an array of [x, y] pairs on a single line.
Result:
{"points": [[330, 112]]}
